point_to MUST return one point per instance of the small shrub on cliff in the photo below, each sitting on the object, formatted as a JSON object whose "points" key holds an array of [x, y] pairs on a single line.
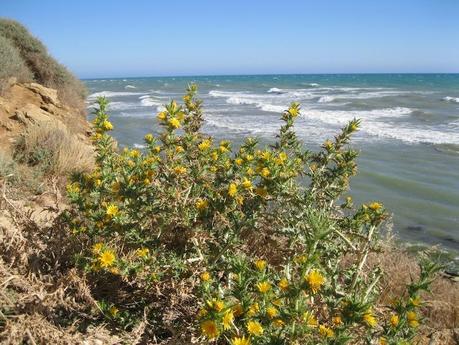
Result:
{"points": [[40, 66], [11, 64], [271, 250]]}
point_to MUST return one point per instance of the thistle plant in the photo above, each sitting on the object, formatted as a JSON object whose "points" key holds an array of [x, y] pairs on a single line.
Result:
{"points": [[277, 252]]}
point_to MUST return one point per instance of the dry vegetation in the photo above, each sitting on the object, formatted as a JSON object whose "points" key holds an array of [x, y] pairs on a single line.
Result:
{"points": [[24, 57]]}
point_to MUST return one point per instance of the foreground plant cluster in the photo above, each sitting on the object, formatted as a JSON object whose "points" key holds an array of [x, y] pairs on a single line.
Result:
{"points": [[262, 240]]}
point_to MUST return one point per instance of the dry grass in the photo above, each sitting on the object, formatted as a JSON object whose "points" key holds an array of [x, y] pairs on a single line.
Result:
{"points": [[52, 147]]}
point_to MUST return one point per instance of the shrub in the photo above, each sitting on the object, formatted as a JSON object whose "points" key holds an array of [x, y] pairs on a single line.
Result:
{"points": [[11, 63], [45, 70], [271, 249], [53, 149]]}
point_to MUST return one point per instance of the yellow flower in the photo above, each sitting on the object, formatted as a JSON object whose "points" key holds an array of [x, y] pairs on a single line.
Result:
{"points": [[218, 305], [238, 161], [369, 319], [247, 184], [202, 204], [315, 280], [209, 329], [264, 287], [383, 341], [112, 210], [107, 125], [180, 170], [248, 158], [174, 123], [205, 145], [293, 111], [205, 276], [134, 153], [278, 323], [265, 172], [412, 319], [157, 149], [149, 138], [250, 171], [394, 320], [375, 206], [255, 328], [114, 311], [73, 188], [416, 301], [97, 247], [223, 149], [310, 319], [162, 116], [240, 341], [253, 309], [143, 252], [116, 186], [179, 149], [283, 284], [272, 312], [325, 331], [232, 189], [337, 320], [107, 258], [260, 264], [227, 320], [202, 312]]}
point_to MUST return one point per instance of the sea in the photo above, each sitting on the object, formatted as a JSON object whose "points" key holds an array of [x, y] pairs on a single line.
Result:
{"points": [[408, 142]]}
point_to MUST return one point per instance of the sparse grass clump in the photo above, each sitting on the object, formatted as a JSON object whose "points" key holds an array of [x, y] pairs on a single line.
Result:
{"points": [[26, 58], [53, 149], [259, 243]]}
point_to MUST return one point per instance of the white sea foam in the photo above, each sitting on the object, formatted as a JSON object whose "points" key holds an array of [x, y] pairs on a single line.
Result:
{"points": [[110, 94], [149, 102], [275, 90], [130, 87], [451, 99], [139, 146]]}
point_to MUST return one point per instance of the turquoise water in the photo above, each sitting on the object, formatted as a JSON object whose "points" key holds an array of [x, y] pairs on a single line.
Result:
{"points": [[409, 141]]}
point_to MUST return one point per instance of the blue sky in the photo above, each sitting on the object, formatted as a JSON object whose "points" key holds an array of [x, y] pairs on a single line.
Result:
{"points": [[102, 38]]}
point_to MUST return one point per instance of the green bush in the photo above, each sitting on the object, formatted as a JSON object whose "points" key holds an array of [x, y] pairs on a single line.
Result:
{"points": [[263, 238], [44, 69], [11, 63]]}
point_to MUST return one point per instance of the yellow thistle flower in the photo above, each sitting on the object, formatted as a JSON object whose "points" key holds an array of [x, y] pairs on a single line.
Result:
{"points": [[240, 341], [239, 199], [223, 149], [112, 210], [253, 310], [73, 188], [134, 153], [328, 144], [260, 264], [383, 341], [249, 158], [107, 258], [209, 329], [113, 311], [179, 149], [263, 287], [272, 312], [227, 320], [326, 332], [283, 284], [205, 276], [369, 319], [218, 305], [247, 184], [394, 320], [205, 145], [180, 170], [315, 280], [107, 125], [354, 127], [214, 155], [148, 138], [143, 253], [265, 172], [255, 328], [250, 171], [174, 123], [202, 204], [162, 116], [157, 149], [97, 247], [238, 161], [98, 182], [293, 111], [412, 319], [278, 323], [202, 312], [232, 190], [310, 319], [416, 301], [337, 320], [375, 206], [238, 310]]}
